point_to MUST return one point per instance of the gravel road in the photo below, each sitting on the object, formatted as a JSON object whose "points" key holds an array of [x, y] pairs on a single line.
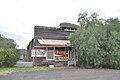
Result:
{"points": [[66, 74]]}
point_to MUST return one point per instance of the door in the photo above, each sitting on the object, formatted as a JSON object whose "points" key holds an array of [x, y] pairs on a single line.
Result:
{"points": [[50, 53]]}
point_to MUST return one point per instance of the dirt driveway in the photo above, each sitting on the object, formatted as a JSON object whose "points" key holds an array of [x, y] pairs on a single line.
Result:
{"points": [[66, 74]]}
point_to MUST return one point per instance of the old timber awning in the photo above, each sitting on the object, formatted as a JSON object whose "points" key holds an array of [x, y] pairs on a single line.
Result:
{"points": [[53, 43]]}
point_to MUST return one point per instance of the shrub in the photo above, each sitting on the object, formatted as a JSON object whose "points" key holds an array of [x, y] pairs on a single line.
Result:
{"points": [[8, 57], [97, 42]]}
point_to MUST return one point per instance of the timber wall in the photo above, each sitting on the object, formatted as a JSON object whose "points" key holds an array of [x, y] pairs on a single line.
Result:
{"points": [[51, 33]]}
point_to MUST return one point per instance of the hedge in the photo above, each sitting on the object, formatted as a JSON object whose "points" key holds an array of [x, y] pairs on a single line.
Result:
{"points": [[8, 57]]}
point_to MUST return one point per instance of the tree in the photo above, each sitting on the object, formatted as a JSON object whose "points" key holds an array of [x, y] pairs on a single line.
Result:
{"points": [[97, 42], [8, 53], [85, 20], [7, 42]]}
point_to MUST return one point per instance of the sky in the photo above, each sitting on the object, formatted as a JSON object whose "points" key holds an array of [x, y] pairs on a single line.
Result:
{"points": [[18, 17]]}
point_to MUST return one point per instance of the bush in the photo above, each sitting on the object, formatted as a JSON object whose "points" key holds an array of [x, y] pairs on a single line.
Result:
{"points": [[2, 56], [8, 57], [97, 42]]}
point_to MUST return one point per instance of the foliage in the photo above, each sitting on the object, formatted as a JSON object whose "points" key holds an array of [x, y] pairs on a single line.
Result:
{"points": [[8, 57], [7, 42], [97, 42], [8, 53], [2, 57], [85, 20]]}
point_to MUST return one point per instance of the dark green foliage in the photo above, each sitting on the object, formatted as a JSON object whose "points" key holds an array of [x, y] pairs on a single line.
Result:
{"points": [[8, 53], [97, 42], [7, 42], [8, 57]]}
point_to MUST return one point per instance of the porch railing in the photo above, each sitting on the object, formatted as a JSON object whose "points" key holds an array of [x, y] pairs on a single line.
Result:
{"points": [[61, 58]]}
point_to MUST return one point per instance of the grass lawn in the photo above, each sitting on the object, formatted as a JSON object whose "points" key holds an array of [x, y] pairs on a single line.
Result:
{"points": [[23, 69]]}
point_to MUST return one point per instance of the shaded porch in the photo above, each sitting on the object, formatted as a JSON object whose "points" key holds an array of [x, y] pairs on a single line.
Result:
{"points": [[56, 52]]}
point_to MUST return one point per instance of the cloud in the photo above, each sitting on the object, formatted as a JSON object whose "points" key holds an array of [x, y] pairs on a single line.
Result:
{"points": [[22, 38], [19, 16]]}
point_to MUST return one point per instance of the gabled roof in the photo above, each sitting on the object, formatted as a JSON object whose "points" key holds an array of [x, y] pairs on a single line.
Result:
{"points": [[54, 42]]}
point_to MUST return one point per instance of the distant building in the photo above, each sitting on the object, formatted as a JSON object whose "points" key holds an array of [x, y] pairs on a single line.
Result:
{"points": [[51, 45], [23, 54]]}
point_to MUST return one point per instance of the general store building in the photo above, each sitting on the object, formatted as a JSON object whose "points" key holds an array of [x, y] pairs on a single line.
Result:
{"points": [[51, 45]]}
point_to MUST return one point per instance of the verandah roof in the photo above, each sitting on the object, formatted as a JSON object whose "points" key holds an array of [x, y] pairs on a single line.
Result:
{"points": [[51, 42]]}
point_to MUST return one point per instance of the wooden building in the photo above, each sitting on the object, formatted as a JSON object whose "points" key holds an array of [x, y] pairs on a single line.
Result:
{"points": [[22, 55], [50, 45]]}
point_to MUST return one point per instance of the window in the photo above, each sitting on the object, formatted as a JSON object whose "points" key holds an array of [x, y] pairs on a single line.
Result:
{"points": [[38, 53]]}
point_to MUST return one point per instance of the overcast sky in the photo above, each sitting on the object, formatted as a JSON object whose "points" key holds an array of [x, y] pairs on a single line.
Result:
{"points": [[18, 17]]}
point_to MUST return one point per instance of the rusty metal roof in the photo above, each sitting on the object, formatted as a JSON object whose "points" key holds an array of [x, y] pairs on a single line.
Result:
{"points": [[54, 42]]}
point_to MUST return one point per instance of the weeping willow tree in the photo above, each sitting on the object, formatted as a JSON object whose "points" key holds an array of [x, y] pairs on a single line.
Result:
{"points": [[97, 42]]}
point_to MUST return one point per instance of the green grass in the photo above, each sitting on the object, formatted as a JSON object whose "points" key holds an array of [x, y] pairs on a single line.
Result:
{"points": [[24, 69]]}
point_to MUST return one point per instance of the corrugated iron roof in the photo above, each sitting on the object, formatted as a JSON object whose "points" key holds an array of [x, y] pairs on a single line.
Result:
{"points": [[54, 42]]}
